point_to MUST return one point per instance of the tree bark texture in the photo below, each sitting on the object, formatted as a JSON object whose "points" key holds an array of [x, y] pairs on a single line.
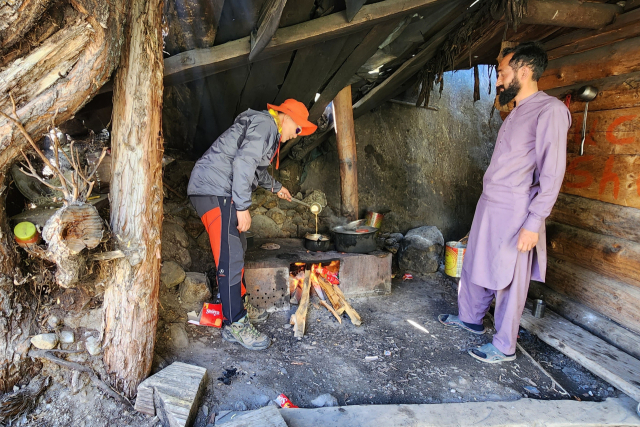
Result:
{"points": [[346, 139], [62, 72], [54, 57], [131, 300], [15, 318]]}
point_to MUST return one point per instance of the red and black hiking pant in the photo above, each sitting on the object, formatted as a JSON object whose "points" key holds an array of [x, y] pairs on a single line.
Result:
{"points": [[220, 219]]}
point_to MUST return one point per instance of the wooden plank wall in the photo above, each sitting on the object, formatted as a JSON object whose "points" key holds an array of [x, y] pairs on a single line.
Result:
{"points": [[593, 232]]}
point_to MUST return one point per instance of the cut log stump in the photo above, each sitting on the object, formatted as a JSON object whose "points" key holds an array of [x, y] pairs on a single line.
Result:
{"points": [[173, 394]]}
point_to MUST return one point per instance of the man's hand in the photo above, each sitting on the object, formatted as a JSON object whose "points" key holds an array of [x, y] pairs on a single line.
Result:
{"points": [[284, 194], [527, 240], [244, 221]]}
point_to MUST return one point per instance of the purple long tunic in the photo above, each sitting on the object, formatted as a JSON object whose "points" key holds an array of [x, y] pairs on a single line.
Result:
{"points": [[520, 187]]}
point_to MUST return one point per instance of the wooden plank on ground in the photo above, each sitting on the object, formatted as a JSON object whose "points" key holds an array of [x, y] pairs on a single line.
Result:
{"points": [[611, 60], [199, 63], [269, 416], [612, 179], [604, 360], [173, 393], [610, 256], [608, 132], [597, 217], [589, 319], [617, 300]]}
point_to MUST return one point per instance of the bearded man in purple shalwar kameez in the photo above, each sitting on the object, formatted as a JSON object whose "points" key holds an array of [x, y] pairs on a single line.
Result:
{"points": [[507, 242]]}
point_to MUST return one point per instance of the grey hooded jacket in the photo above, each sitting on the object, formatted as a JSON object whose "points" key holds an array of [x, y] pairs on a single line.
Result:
{"points": [[236, 163]]}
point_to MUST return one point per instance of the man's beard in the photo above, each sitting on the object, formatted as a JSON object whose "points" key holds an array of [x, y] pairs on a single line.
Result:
{"points": [[507, 95]]}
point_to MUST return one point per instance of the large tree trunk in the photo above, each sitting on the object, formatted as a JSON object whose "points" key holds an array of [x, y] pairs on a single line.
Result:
{"points": [[54, 57], [130, 302], [15, 318]]}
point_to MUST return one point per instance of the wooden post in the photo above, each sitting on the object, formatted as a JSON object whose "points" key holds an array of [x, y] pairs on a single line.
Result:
{"points": [[346, 137], [131, 299]]}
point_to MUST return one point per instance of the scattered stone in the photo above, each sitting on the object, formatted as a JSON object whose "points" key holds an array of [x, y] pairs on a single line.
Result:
{"points": [[324, 400], [179, 337], [45, 341], [284, 371], [178, 389], [205, 410], [67, 337], [262, 400], [93, 345], [398, 237], [316, 196], [175, 242], [370, 358], [204, 242], [264, 227], [240, 406], [194, 291], [53, 322], [89, 320], [421, 250], [77, 382], [172, 274], [277, 215]]}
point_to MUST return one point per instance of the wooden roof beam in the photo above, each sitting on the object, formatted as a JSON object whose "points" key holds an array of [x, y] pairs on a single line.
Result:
{"points": [[569, 13], [267, 26], [199, 63], [385, 90]]}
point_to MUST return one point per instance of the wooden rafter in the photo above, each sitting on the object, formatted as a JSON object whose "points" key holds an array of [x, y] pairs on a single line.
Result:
{"points": [[199, 63], [386, 89], [267, 26], [353, 7]]}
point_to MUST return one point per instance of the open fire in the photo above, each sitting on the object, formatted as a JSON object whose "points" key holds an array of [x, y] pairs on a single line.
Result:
{"points": [[321, 280]]}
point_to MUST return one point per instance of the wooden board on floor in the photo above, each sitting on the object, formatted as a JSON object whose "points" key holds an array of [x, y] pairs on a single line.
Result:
{"points": [[269, 416], [583, 316], [604, 360]]}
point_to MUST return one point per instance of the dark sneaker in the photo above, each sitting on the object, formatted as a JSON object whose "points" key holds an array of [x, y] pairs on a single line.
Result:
{"points": [[246, 335], [256, 315]]}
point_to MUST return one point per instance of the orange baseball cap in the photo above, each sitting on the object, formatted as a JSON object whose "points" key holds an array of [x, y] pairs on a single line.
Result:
{"points": [[298, 112]]}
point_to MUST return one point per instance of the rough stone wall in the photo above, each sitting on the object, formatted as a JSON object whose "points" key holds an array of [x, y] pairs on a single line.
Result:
{"points": [[424, 165]]}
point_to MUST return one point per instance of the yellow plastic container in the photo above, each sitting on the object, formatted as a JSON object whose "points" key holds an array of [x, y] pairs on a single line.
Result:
{"points": [[26, 234], [453, 257]]}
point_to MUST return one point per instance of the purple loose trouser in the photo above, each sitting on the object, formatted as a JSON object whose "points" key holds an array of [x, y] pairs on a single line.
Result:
{"points": [[474, 302]]}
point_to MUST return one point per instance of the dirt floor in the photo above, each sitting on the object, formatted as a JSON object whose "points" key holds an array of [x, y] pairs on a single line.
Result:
{"points": [[419, 361]]}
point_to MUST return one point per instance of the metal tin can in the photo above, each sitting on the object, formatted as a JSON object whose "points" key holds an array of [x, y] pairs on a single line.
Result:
{"points": [[538, 308]]}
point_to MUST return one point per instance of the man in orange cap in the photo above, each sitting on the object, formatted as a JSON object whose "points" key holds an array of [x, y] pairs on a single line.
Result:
{"points": [[220, 189]]}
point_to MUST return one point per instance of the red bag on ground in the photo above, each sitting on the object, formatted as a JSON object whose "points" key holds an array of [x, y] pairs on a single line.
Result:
{"points": [[211, 315]]}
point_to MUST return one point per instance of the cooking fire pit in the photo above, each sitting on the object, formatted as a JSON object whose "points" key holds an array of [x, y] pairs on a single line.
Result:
{"points": [[269, 273]]}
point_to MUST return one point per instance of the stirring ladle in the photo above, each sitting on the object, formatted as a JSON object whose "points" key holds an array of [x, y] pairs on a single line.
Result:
{"points": [[315, 208], [585, 94]]}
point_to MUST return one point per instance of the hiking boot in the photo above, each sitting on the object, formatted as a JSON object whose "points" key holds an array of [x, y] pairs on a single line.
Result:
{"points": [[255, 314], [246, 335]]}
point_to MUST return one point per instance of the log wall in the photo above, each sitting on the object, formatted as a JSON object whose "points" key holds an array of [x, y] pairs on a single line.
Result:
{"points": [[593, 233]]}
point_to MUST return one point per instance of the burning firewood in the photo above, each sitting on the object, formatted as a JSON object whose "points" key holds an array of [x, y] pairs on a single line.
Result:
{"points": [[331, 310], [346, 307], [299, 319]]}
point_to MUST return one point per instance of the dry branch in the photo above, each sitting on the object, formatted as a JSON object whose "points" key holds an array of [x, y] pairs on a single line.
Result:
{"points": [[48, 355], [299, 319]]}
